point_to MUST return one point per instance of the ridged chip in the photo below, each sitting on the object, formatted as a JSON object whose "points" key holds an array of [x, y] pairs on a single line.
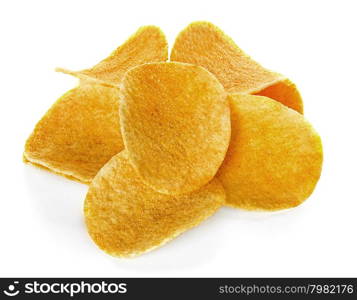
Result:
{"points": [[126, 218], [175, 123], [80, 132], [275, 156], [204, 44]]}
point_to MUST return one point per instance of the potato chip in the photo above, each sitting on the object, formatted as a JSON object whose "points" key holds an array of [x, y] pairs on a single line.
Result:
{"points": [[274, 159], [148, 44], [175, 123], [81, 132], [204, 44], [126, 218]]}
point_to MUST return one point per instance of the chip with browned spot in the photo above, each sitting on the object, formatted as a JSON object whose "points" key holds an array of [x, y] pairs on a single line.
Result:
{"points": [[275, 156], [175, 124], [125, 217], [204, 44], [80, 132]]}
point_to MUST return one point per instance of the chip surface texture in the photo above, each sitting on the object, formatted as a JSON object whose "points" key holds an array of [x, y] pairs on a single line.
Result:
{"points": [[204, 44], [275, 156], [81, 131], [79, 134], [175, 123], [125, 218], [148, 44]]}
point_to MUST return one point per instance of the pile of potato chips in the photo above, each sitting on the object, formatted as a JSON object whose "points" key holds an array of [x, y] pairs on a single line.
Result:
{"points": [[165, 144]]}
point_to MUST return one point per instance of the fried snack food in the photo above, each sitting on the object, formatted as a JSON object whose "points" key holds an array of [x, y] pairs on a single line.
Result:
{"points": [[275, 156], [125, 218], [175, 123], [148, 44], [204, 44], [81, 132]]}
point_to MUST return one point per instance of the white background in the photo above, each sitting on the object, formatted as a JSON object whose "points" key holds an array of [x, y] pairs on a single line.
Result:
{"points": [[41, 222]]}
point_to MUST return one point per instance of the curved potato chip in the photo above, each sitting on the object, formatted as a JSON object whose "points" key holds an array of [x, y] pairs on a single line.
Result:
{"points": [[126, 218], [148, 44], [175, 124], [275, 157], [80, 132], [204, 44]]}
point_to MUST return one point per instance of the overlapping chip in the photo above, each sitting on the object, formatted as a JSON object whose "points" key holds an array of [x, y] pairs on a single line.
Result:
{"points": [[199, 132], [80, 132], [274, 158], [204, 44], [148, 44], [126, 218], [175, 124]]}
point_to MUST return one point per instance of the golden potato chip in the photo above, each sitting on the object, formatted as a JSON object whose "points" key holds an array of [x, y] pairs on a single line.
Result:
{"points": [[126, 218], [81, 132], [204, 44], [175, 124], [148, 44], [274, 159]]}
